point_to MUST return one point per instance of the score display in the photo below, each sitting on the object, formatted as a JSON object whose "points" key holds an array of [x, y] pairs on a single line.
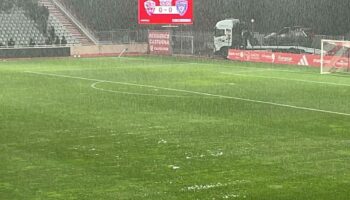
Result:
{"points": [[165, 12]]}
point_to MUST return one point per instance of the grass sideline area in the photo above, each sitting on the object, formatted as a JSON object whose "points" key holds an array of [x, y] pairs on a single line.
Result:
{"points": [[172, 128]]}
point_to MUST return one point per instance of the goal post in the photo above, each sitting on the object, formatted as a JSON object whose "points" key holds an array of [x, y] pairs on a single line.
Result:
{"points": [[335, 56], [183, 44]]}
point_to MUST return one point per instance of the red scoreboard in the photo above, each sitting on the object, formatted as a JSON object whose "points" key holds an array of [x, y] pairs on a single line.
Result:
{"points": [[165, 11]]}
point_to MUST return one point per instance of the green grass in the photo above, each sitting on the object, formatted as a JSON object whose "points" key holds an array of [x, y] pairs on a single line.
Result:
{"points": [[62, 139]]}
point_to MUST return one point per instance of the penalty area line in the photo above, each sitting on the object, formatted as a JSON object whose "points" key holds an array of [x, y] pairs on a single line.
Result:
{"points": [[193, 92], [285, 79]]}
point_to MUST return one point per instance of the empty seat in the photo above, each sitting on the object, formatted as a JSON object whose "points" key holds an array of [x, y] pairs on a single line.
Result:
{"points": [[15, 25]]}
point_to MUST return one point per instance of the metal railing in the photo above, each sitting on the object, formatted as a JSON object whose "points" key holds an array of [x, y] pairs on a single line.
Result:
{"points": [[35, 46], [70, 14], [123, 36]]}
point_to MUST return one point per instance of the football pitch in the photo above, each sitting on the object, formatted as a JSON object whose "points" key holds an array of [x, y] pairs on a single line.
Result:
{"points": [[172, 128]]}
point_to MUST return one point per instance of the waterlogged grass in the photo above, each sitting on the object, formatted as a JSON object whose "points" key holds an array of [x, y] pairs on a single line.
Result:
{"points": [[168, 128]]}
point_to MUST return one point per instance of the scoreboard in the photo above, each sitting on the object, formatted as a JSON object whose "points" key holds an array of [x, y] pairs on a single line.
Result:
{"points": [[170, 12]]}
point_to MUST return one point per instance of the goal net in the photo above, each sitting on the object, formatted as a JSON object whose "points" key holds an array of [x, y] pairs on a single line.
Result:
{"points": [[183, 44], [335, 56]]}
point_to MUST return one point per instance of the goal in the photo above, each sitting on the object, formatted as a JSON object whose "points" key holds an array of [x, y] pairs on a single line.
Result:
{"points": [[183, 44], [335, 56]]}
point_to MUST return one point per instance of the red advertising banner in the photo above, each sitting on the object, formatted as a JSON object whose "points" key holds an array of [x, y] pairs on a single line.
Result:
{"points": [[159, 42], [165, 11], [286, 58]]}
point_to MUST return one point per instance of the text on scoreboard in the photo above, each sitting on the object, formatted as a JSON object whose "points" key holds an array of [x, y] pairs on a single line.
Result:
{"points": [[165, 11]]}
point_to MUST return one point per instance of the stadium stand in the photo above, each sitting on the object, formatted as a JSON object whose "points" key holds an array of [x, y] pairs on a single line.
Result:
{"points": [[16, 25], [30, 23], [64, 25], [60, 30]]}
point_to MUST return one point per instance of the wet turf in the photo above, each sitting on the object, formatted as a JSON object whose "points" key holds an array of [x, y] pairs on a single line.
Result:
{"points": [[171, 128]]}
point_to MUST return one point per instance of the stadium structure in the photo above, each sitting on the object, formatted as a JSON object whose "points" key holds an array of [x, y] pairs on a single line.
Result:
{"points": [[19, 25]]}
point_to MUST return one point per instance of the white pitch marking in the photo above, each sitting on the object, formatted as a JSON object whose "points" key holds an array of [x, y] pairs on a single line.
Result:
{"points": [[194, 92], [244, 67], [174, 167], [165, 64], [208, 64], [272, 69], [121, 68], [247, 71], [287, 79], [131, 93], [241, 67]]}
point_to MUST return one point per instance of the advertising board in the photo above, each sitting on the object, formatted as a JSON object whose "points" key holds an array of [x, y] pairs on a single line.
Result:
{"points": [[286, 58], [159, 42]]}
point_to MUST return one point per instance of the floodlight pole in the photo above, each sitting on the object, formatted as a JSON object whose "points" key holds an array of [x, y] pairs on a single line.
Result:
{"points": [[170, 28], [253, 21]]}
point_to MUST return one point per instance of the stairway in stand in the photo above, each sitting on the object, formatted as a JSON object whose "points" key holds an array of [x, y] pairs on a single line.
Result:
{"points": [[66, 22]]}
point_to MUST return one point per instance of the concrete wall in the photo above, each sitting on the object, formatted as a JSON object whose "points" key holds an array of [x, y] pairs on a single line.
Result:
{"points": [[32, 52], [109, 50]]}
